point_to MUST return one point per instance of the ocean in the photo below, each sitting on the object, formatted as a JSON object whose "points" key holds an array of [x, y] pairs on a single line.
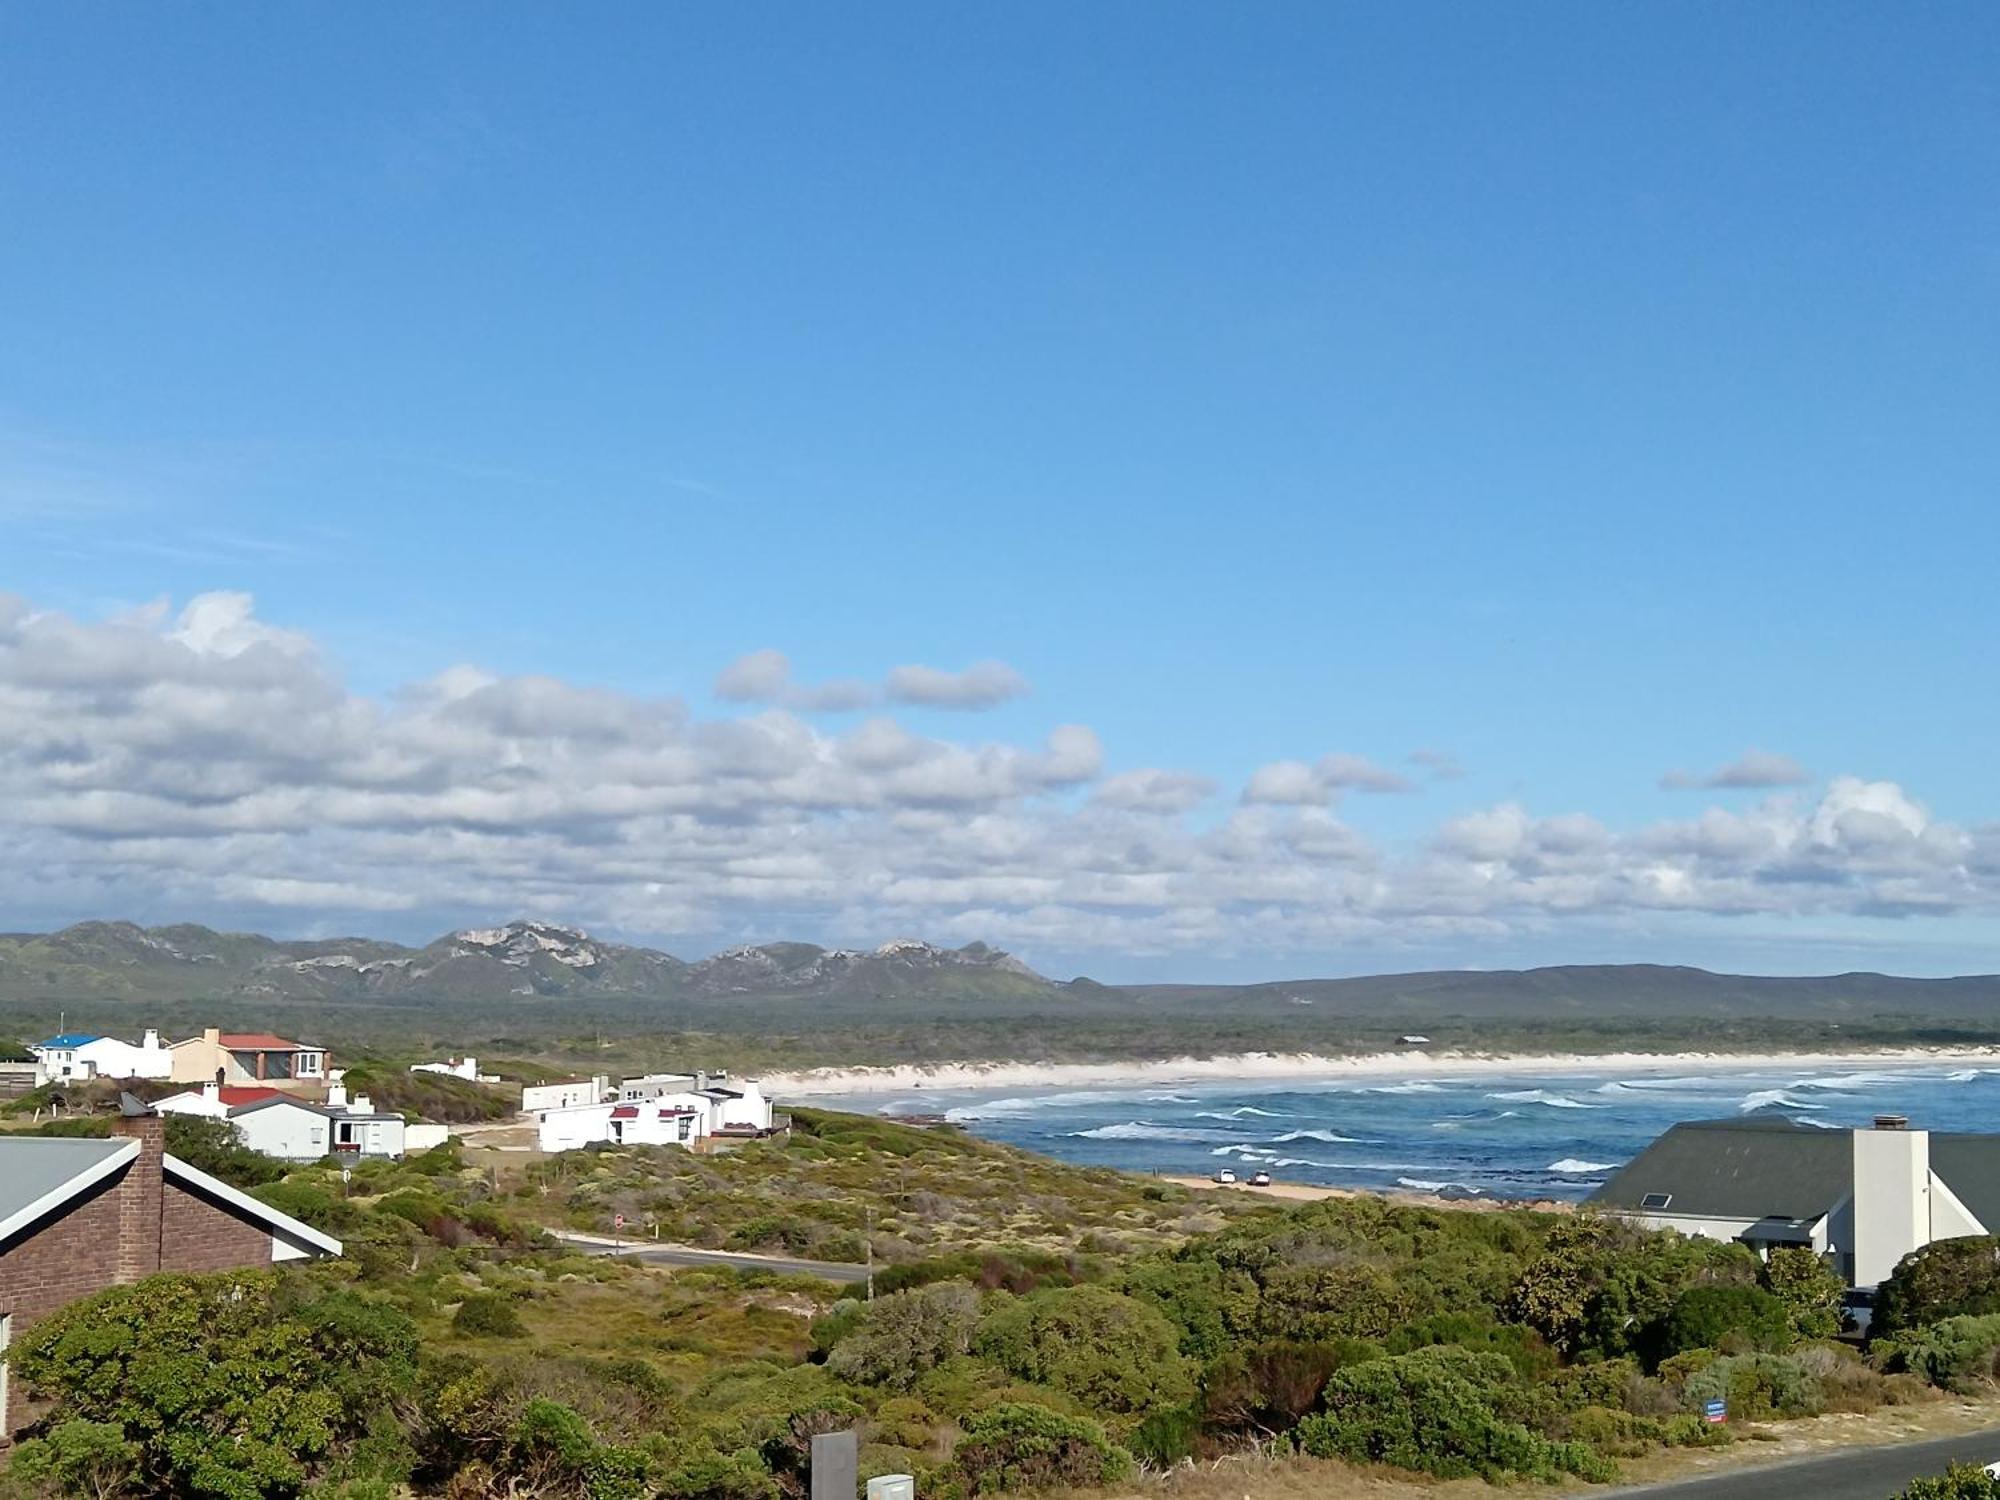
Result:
{"points": [[1497, 1134]]}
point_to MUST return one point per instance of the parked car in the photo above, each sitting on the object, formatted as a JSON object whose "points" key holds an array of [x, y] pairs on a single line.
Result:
{"points": [[1260, 1179], [1225, 1176]]}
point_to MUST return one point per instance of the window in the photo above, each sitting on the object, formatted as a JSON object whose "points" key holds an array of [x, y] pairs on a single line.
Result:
{"points": [[311, 1064], [1656, 1200]]}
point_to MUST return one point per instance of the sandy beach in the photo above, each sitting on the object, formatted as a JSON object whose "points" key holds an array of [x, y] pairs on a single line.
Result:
{"points": [[1303, 1066], [1305, 1192]]}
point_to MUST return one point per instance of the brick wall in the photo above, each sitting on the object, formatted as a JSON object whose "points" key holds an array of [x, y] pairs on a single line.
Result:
{"points": [[200, 1235], [124, 1228]]}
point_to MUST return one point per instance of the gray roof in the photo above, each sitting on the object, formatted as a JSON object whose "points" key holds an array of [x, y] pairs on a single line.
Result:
{"points": [[1759, 1168], [32, 1167]]}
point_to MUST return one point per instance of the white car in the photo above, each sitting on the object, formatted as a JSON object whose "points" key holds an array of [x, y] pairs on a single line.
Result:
{"points": [[1225, 1176], [1260, 1179]]}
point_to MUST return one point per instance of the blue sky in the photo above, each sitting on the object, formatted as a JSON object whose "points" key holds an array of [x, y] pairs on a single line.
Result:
{"points": [[1578, 392]]}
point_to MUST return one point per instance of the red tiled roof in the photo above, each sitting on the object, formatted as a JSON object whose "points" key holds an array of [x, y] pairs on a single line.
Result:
{"points": [[260, 1041], [625, 1112], [235, 1096]]}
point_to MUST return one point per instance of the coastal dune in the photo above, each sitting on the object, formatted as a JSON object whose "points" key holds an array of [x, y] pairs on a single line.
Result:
{"points": [[1301, 1066]]}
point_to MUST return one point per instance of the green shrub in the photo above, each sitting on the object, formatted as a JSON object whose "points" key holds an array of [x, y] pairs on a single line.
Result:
{"points": [[1022, 1446], [1954, 1354], [1434, 1411], [895, 1339], [1114, 1354], [1270, 1386], [1756, 1386], [1735, 1319], [488, 1315], [1959, 1482], [1685, 1430], [1945, 1279], [1614, 1433], [78, 1457], [1808, 1286]]}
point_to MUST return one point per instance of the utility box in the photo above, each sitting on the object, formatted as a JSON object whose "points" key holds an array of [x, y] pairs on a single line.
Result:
{"points": [[892, 1487], [836, 1466]]}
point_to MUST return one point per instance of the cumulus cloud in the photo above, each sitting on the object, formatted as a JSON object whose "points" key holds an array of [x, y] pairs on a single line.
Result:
{"points": [[204, 759], [766, 677], [1294, 783], [984, 684], [1756, 768]]}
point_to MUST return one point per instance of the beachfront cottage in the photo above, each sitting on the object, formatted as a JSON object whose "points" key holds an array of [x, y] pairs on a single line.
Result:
{"points": [[1865, 1197], [76, 1056], [246, 1058], [78, 1215]]}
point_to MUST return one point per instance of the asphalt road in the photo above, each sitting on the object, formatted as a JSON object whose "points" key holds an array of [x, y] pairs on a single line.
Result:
{"points": [[688, 1255], [1851, 1474]]}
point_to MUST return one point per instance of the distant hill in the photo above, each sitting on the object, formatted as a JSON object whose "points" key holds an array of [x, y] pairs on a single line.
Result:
{"points": [[118, 960], [522, 960]]}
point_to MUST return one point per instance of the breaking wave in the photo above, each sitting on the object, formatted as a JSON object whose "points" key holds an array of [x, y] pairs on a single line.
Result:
{"points": [[1431, 1185], [1331, 1138], [1542, 1096], [1141, 1130], [1774, 1099], [1406, 1088], [1571, 1166]]}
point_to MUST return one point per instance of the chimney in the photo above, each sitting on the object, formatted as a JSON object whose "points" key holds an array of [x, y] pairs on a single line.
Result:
{"points": [[141, 1192], [701, 1081], [336, 1095], [212, 1035], [212, 1092], [150, 1042], [1892, 1196], [363, 1105]]}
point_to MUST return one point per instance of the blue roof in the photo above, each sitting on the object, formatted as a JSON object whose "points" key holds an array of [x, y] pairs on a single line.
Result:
{"points": [[71, 1039]]}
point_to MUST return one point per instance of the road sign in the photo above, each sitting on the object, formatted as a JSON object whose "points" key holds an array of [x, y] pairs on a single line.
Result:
{"points": [[1716, 1411], [618, 1221]]}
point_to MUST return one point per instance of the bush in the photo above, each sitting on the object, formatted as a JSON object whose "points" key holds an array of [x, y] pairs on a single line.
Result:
{"points": [[1022, 1446], [216, 1147], [1270, 1386], [1614, 1433], [1959, 1482], [1810, 1289], [1954, 1354], [1945, 1279], [488, 1315], [78, 1457], [1433, 1411], [1735, 1319], [1756, 1386], [219, 1386], [1112, 1353], [897, 1338]]}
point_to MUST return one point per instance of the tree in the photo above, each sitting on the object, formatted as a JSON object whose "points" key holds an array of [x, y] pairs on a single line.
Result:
{"points": [[900, 1337], [1809, 1287], [1945, 1279], [1553, 1294], [219, 1389], [1115, 1355]]}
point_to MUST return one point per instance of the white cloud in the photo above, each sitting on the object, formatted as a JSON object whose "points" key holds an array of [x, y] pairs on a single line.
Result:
{"points": [[766, 677], [204, 759], [1294, 783], [1756, 768], [984, 684]]}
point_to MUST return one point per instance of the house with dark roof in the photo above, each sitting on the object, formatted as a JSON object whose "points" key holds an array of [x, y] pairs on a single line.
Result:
{"points": [[78, 1215], [1865, 1197]]}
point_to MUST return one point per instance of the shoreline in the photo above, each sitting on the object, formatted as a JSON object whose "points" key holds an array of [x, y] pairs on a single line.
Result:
{"points": [[1299, 1067]]}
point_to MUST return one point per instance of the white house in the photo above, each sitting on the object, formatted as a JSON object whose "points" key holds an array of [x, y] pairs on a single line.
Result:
{"points": [[78, 1055], [740, 1108], [289, 1128], [456, 1067], [537, 1097], [1866, 1198], [680, 1120], [731, 1108], [213, 1101]]}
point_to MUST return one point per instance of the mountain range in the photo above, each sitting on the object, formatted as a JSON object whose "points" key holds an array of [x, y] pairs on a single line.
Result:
{"points": [[529, 960]]}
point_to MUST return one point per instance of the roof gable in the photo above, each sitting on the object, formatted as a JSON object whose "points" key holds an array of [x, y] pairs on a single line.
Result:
{"points": [[260, 1041], [72, 1039], [249, 1207], [1737, 1169]]}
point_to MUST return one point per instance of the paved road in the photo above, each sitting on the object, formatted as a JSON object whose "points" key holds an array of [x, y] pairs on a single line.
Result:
{"points": [[1853, 1474], [688, 1255]]}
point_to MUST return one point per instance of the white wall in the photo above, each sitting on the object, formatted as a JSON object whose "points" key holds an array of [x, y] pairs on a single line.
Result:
{"points": [[201, 1102], [464, 1067], [537, 1097], [423, 1137], [751, 1112], [288, 1131], [578, 1125]]}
